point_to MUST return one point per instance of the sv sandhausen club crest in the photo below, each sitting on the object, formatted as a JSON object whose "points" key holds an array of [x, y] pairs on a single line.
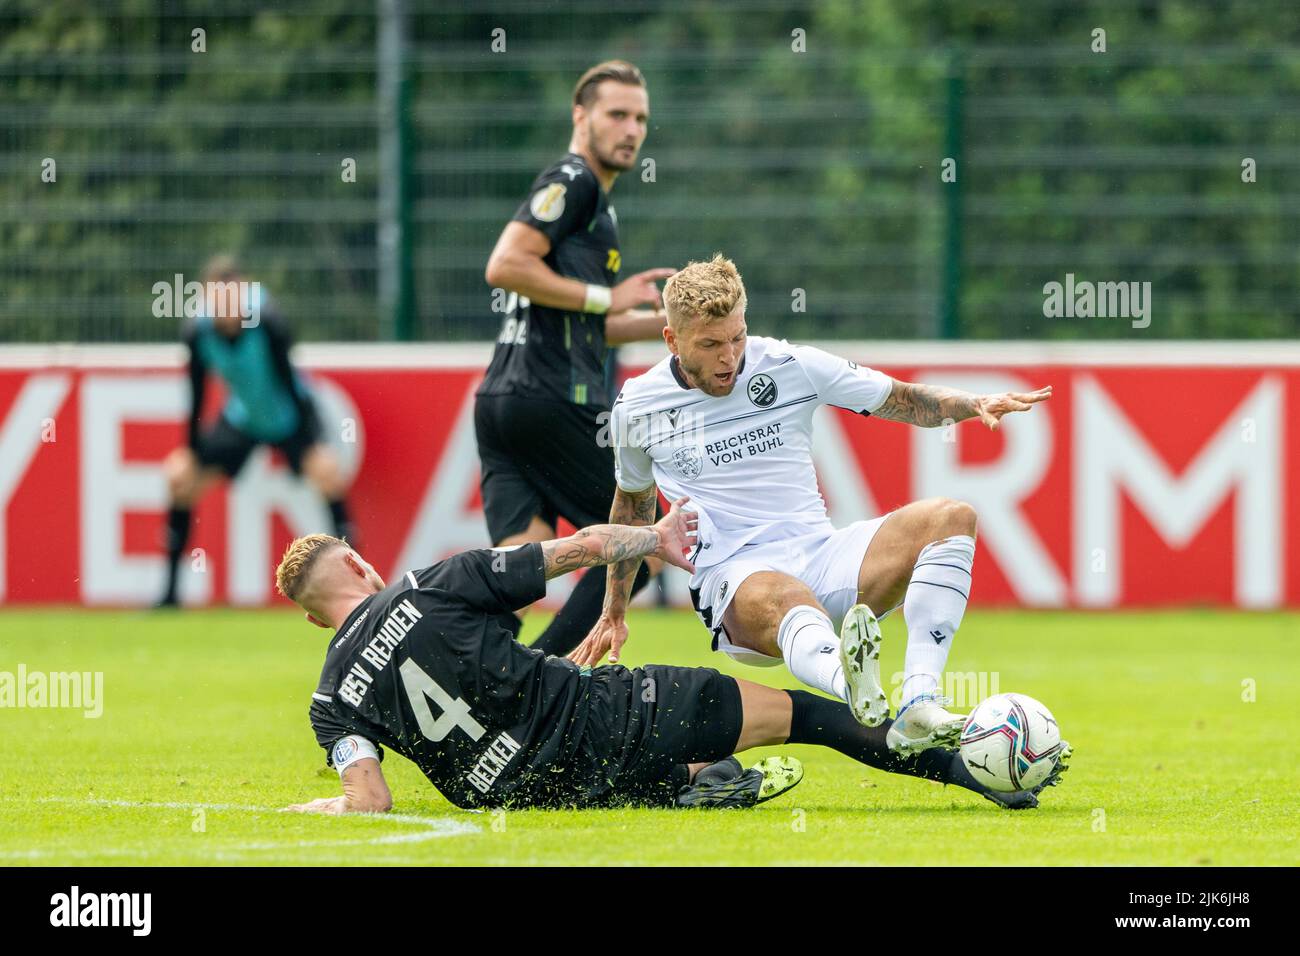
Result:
{"points": [[761, 390], [688, 461]]}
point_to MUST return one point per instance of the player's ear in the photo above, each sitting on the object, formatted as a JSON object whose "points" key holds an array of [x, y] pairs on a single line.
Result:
{"points": [[315, 620], [355, 563], [670, 338]]}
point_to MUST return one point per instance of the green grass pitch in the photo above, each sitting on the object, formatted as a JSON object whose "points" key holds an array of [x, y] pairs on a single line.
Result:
{"points": [[204, 734]]}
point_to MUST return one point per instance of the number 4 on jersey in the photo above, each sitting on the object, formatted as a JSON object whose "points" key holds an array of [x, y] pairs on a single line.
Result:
{"points": [[455, 712]]}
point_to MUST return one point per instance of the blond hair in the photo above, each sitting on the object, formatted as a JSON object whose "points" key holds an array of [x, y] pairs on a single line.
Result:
{"points": [[294, 570], [704, 291]]}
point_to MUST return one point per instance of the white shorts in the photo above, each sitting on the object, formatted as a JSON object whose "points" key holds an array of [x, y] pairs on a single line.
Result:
{"points": [[828, 562]]}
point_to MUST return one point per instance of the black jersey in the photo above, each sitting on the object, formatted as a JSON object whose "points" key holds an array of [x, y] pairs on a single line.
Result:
{"points": [[549, 353], [429, 668]]}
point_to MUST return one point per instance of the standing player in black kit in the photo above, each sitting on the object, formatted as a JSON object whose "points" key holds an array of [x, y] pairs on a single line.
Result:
{"points": [[544, 399], [428, 667]]}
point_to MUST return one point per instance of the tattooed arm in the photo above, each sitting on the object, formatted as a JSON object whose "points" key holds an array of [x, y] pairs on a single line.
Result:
{"points": [[599, 544], [634, 508], [623, 546], [931, 405]]}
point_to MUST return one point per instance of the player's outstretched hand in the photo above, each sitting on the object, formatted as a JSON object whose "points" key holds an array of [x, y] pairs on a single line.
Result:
{"points": [[639, 289], [322, 805], [992, 407], [677, 532], [608, 636]]}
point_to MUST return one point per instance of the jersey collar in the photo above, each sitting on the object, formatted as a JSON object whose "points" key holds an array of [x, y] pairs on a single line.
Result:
{"points": [[677, 372]]}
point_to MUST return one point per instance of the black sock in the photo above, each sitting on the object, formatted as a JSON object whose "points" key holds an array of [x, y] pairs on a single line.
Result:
{"points": [[342, 523], [575, 620], [178, 533], [830, 723]]}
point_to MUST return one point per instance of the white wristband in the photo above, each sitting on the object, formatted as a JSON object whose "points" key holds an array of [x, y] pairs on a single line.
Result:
{"points": [[349, 750], [599, 298]]}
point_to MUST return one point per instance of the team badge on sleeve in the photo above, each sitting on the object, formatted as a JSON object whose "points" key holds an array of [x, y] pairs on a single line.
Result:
{"points": [[348, 750], [548, 204], [344, 751]]}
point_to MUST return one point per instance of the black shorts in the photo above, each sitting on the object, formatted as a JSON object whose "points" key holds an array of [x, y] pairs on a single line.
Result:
{"points": [[225, 447], [542, 459], [644, 725]]}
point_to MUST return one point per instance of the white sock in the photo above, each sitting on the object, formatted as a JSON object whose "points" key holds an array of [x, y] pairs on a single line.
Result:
{"points": [[933, 609], [811, 649]]}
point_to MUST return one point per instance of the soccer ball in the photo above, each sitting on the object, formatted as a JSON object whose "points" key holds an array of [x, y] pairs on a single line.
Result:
{"points": [[1010, 742]]}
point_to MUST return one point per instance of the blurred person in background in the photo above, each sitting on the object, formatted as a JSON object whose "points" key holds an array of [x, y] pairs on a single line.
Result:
{"points": [[243, 339], [546, 397]]}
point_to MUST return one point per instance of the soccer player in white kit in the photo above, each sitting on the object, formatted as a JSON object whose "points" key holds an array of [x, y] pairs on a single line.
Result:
{"points": [[726, 420]]}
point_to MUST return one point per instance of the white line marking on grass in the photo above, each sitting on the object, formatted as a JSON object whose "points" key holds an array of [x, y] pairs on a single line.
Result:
{"points": [[430, 828]]}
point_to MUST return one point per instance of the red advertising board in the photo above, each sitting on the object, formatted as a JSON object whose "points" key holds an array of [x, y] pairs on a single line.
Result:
{"points": [[1149, 479]]}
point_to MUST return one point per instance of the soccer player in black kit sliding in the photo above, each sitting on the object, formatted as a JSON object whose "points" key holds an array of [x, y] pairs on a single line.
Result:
{"points": [[428, 667], [544, 399]]}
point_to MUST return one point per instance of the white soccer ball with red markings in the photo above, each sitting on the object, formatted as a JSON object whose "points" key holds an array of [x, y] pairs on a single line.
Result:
{"points": [[1010, 742]]}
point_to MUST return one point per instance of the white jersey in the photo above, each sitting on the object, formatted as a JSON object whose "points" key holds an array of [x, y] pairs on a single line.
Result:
{"points": [[745, 459]]}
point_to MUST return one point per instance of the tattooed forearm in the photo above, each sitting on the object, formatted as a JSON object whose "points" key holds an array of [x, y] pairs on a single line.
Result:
{"points": [[599, 544], [927, 405], [628, 509]]}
